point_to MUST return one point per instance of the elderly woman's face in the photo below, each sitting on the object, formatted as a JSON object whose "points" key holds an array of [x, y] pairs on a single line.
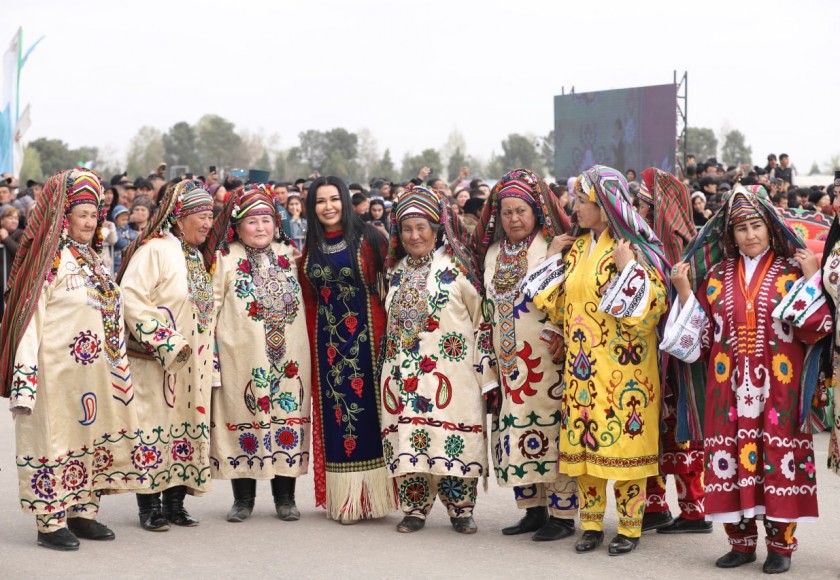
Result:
{"points": [[518, 219], [81, 222], [752, 237], [195, 227], [417, 236], [256, 231]]}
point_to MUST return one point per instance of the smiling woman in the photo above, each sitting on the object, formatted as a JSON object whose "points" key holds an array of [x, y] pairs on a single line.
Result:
{"points": [[343, 281]]}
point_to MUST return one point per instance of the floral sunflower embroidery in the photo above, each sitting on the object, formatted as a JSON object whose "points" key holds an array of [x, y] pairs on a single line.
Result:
{"points": [[722, 367], [749, 456], [713, 290], [420, 440], [454, 445], [788, 466], [782, 368], [453, 346], [785, 283]]}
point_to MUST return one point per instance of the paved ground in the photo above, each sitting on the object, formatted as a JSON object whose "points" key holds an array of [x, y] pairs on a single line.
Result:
{"points": [[265, 547]]}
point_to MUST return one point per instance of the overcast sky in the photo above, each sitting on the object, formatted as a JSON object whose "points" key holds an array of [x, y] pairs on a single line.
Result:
{"points": [[412, 72]]}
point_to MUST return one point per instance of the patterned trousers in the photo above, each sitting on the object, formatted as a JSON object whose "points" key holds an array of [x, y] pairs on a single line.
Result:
{"points": [[418, 491], [743, 536], [561, 497], [48, 523], [690, 495], [629, 504]]}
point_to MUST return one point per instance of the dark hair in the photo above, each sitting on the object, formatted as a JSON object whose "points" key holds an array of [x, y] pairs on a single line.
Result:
{"points": [[474, 205], [357, 199], [816, 196], [351, 224], [783, 156]]}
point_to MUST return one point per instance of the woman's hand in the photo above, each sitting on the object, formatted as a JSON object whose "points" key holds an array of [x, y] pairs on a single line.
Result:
{"points": [[560, 244], [557, 348], [807, 261], [623, 253], [680, 281]]}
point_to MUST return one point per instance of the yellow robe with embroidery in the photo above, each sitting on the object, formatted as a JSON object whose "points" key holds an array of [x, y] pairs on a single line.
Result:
{"points": [[261, 413], [173, 396], [81, 434], [610, 406]]}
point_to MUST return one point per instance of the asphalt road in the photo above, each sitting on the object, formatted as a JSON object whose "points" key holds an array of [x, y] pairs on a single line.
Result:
{"points": [[314, 547]]}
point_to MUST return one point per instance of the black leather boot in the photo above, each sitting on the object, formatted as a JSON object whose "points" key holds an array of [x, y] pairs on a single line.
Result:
{"points": [[244, 493], [534, 519], [283, 490], [173, 507], [151, 516], [90, 529]]}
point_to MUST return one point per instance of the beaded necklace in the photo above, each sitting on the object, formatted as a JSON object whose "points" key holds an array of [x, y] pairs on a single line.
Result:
{"points": [[409, 309], [102, 294], [200, 287], [511, 268], [276, 295]]}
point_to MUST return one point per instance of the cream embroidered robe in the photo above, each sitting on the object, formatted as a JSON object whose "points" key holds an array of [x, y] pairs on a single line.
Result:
{"points": [[173, 395], [261, 411]]}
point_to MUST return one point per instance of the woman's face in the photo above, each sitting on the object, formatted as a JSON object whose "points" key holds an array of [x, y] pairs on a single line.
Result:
{"points": [[109, 197], [195, 227], [10, 222], [588, 213], [518, 219], [462, 198], [376, 211], [294, 207], [140, 214], [752, 237], [823, 202], [256, 231], [328, 207], [699, 204], [836, 203], [81, 222], [564, 198], [417, 237]]}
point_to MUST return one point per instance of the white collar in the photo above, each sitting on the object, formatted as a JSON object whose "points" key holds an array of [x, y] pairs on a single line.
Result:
{"points": [[750, 264]]}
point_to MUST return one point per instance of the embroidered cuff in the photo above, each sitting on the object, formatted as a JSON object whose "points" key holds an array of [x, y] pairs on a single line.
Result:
{"points": [[548, 276], [627, 294], [684, 330], [804, 299]]}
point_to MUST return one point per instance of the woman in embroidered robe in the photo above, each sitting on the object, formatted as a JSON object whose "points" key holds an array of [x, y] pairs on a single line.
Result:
{"points": [[607, 310], [260, 416], [751, 320], [512, 238], [665, 203], [343, 270], [438, 360], [169, 310], [65, 368]]}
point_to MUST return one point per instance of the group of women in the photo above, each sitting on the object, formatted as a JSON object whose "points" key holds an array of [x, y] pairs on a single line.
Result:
{"points": [[220, 352]]}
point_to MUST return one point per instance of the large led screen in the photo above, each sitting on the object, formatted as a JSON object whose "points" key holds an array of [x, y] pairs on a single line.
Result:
{"points": [[623, 128]]}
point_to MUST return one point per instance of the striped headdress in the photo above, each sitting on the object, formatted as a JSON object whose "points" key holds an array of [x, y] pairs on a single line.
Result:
{"points": [[609, 188], [37, 258], [673, 222], [417, 201]]}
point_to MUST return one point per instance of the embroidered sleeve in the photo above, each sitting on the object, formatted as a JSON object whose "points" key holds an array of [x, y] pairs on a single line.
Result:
{"points": [[484, 358], [803, 300], [151, 324], [25, 372], [627, 294], [549, 296], [546, 277], [684, 331], [221, 282]]}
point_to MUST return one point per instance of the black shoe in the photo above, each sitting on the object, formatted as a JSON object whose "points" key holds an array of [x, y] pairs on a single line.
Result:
{"points": [[90, 529], [464, 525], [244, 494], [62, 539], [283, 489], [684, 526], [621, 545], [734, 559], [173, 507], [410, 524], [655, 520], [151, 516], [776, 563], [554, 529], [533, 520], [589, 541]]}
